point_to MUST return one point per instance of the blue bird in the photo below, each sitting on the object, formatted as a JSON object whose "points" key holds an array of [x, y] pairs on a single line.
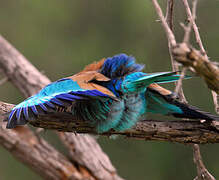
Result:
{"points": [[113, 93]]}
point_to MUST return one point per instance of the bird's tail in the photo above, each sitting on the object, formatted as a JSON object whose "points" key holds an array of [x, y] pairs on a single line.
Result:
{"points": [[138, 81], [162, 101], [161, 77]]}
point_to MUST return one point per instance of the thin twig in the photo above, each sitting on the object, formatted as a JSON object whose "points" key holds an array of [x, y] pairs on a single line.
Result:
{"points": [[199, 41], [195, 27], [168, 31], [169, 13], [179, 85], [175, 66], [169, 20], [191, 20], [203, 173], [187, 29]]}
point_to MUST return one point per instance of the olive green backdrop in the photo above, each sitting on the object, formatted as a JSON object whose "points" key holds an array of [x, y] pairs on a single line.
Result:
{"points": [[61, 37]]}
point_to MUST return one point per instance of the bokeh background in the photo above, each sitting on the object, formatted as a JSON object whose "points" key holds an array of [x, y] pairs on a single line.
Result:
{"points": [[61, 37]]}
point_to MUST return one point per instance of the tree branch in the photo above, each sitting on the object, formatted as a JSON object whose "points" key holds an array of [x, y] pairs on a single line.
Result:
{"points": [[175, 66], [191, 17], [29, 81], [201, 170], [156, 130], [169, 33], [189, 56], [37, 153], [203, 173]]}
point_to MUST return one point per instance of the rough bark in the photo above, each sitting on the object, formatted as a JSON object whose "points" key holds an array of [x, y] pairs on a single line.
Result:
{"points": [[174, 131], [190, 57]]}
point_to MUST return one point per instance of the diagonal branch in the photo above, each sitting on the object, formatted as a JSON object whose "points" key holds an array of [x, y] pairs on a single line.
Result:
{"points": [[175, 66], [37, 153], [191, 17], [169, 33], [29, 81]]}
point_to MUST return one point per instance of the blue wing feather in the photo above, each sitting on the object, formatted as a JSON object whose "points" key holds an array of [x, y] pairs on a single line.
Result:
{"points": [[57, 101], [43, 107], [34, 109], [18, 113], [55, 94], [69, 97], [51, 105], [25, 111], [12, 114]]}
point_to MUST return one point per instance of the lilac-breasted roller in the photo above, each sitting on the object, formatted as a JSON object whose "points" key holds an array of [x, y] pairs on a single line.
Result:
{"points": [[113, 93]]}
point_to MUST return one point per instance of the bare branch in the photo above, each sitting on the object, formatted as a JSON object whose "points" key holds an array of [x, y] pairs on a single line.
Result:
{"points": [[203, 173], [169, 13], [189, 56], [80, 151], [169, 20], [29, 81], [175, 66], [195, 27], [168, 31], [191, 20], [198, 40], [37, 153], [179, 86], [157, 130]]}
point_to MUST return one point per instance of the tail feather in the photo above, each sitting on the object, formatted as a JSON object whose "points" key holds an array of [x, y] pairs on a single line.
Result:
{"points": [[168, 105], [193, 112], [139, 81], [162, 77]]}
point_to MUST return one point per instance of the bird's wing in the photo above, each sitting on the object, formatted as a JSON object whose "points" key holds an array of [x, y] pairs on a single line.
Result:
{"points": [[60, 94], [161, 101]]}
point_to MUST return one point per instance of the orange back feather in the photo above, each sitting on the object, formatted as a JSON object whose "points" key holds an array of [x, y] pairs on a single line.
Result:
{"points": [[84, 79], [160, 89], [94, 66]]}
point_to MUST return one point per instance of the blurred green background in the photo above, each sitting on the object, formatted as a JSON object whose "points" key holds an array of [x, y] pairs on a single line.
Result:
{"points": [[61, 37]]}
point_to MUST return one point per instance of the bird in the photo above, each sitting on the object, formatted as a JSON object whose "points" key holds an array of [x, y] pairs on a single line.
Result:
{"points": [[111, 94]]}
